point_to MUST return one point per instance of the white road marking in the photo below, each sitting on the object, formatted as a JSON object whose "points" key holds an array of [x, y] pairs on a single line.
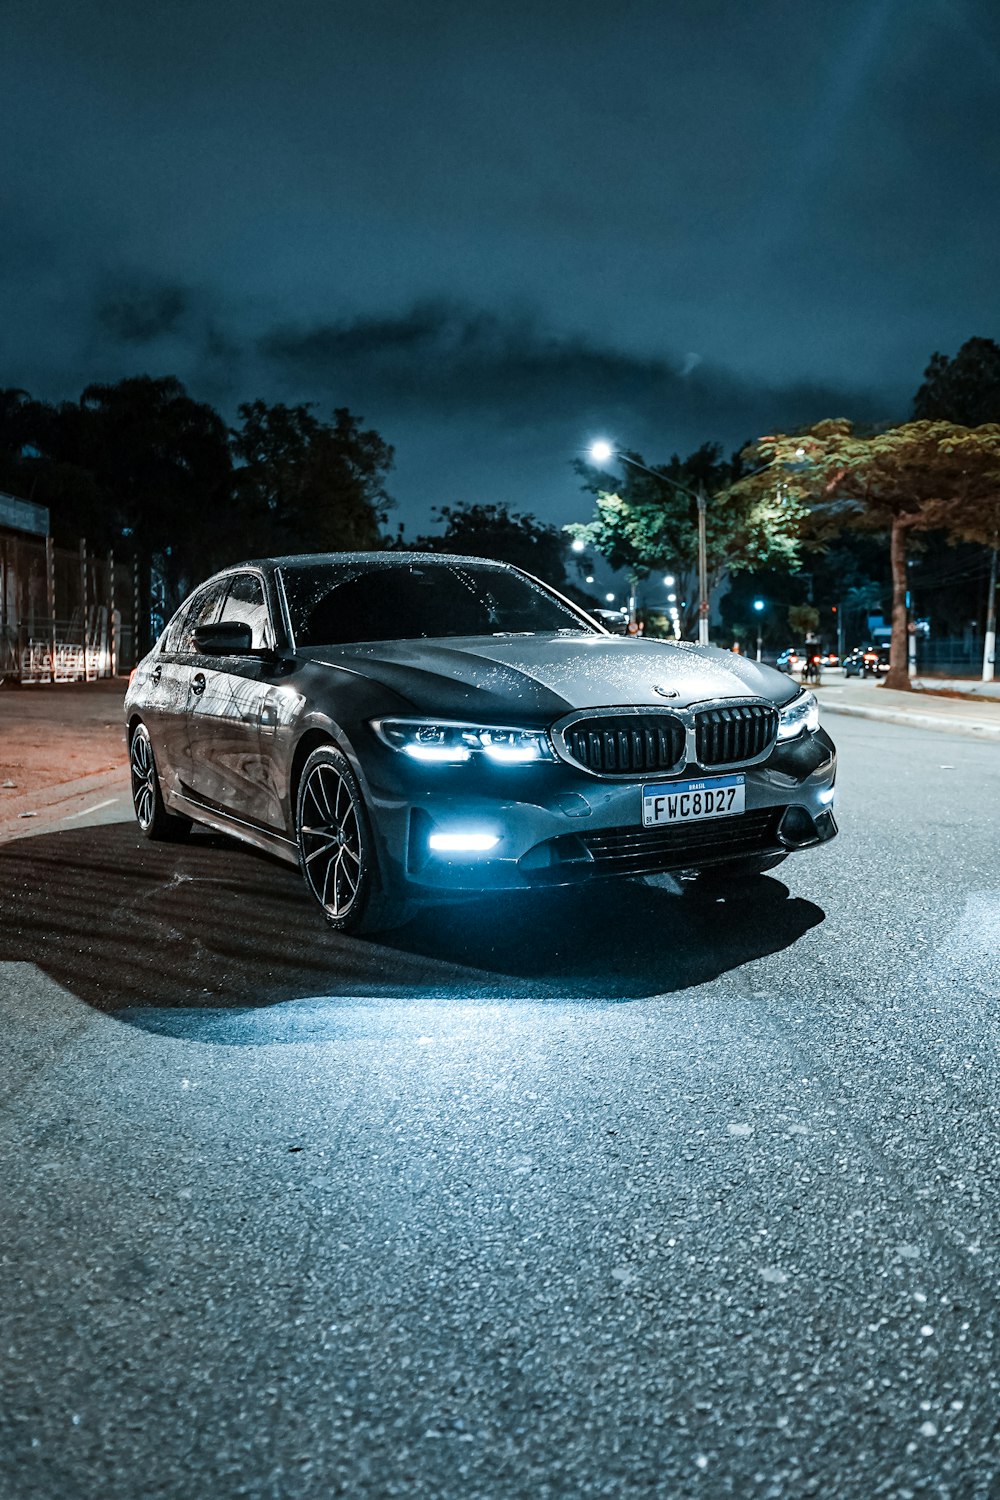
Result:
{"points": [[85, 810]]}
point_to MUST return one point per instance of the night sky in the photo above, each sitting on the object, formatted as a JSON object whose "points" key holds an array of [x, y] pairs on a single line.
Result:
{"points": [[498, 230]]}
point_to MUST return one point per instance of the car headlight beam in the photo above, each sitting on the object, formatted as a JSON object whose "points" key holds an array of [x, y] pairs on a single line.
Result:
{"points": [[449, 743], [801, 716]]}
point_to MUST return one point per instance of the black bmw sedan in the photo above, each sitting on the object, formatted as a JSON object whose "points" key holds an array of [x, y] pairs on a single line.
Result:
{"points": [[411, 727]]}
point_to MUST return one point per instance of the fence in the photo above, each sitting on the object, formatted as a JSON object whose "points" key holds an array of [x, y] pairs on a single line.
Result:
{"points": [[956, 656], [64, 616]]}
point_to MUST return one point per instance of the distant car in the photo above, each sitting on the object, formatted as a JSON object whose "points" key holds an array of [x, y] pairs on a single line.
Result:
{"points": [[413, 727], [830, 659], [867, 661], [790, 660], [615, 620]]}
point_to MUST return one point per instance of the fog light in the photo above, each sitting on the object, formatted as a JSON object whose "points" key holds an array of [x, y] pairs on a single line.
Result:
{"points": [[827, 795], [463, 842]]}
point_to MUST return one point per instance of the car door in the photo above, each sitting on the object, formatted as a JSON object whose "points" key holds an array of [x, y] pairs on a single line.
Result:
{"points": [[167, 686], [226, 706]]}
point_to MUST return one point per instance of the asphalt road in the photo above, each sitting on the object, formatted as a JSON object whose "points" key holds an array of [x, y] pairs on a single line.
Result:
{"points": [[621, 1194]]}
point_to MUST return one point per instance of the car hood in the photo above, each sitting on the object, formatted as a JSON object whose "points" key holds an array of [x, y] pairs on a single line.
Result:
{"points": [[544, 676]]}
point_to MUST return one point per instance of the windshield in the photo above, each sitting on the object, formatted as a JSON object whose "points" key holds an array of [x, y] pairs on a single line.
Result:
{"points": [[334, 604]]}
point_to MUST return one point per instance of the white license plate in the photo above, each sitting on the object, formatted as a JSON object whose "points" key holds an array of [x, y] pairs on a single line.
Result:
{"points": [[691, 801]]}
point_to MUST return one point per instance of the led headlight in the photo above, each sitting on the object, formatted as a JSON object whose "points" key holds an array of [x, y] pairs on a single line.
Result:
{"points": [[798, 717], [450, 744]]}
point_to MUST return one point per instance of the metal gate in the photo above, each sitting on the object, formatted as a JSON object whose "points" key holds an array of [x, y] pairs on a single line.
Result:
{"points": [[64, 616]]}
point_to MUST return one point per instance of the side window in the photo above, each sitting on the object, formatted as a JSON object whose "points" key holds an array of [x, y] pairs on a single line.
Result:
{"points": [[172, 634], [203, 610], [245, 605]]}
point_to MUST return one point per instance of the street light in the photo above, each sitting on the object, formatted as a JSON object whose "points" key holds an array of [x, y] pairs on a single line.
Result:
{"points": [[758, 605], [578, 544], [670, 580], [601, 451]]}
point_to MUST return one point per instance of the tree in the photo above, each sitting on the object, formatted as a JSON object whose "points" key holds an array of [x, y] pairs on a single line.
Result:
{"points": [[647, 521], [13, 402], [921, 476], [965, 389], [162, 461], [496, 532], [308, 485], [803, 620], [138, 466]]}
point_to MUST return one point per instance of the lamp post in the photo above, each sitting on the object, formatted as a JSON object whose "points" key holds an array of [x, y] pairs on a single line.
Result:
{"points": [[702, 501], [758, 605], [600, 452], [990, 642]]}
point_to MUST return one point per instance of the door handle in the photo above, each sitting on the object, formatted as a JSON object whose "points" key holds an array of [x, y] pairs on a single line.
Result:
{"points": [[198, 683], [156, 674]]}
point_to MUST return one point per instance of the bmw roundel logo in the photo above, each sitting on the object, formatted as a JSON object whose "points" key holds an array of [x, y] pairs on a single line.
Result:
{"points": [[665, 692]]}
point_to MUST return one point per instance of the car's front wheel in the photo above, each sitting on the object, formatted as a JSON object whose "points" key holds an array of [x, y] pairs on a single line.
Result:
{"points": [[337, 849], [150, 813]]}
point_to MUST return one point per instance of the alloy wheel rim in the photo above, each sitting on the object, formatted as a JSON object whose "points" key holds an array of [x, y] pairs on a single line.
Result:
{"points": [[143, 773], [330, 834]]}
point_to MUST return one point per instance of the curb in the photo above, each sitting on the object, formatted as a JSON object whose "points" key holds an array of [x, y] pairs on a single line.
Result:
{"points": [[35, 812], [947, 725]]}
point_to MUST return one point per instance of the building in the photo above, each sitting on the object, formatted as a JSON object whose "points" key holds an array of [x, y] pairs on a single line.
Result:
{"points": [[60, 610]]}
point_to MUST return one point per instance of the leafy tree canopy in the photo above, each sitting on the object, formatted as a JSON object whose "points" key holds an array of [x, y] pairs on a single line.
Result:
{"points": [[304, 484], [965, 389], [497, 532], [920, 476], [647, 520], [138, 466]]}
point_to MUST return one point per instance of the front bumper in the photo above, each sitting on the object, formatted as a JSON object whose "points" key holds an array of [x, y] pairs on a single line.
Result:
{"points": [[558, 826]]}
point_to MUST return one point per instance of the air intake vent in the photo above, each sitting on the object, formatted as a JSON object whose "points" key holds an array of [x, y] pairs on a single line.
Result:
{"points": [[626, 745], [733, 736]]}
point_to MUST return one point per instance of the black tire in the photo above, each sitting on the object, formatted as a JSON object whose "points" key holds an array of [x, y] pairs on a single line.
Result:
{"points": [[337, 848], [147, 800], [733, 872]]}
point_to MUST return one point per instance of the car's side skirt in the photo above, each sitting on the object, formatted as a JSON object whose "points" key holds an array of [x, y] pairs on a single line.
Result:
{"points": [[261, 838]]}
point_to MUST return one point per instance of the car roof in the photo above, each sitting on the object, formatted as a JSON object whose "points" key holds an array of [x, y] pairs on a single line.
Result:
{"points": [[384, 558]]}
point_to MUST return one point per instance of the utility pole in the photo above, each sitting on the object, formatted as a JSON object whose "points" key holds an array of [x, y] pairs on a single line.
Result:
{"points": [[50, 586], [84, 606], [990, 643], [702, 569]]}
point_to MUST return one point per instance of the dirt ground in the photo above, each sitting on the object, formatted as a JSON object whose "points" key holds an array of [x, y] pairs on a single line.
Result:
{"points": [[50, 735]]}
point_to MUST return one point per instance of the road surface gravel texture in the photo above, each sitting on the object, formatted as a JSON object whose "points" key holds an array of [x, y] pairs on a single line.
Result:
{"points": [[602, 1193]]}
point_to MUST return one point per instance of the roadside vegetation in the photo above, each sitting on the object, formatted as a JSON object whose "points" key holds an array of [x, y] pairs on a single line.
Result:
{"points": [[826, 519], [825, 513]]}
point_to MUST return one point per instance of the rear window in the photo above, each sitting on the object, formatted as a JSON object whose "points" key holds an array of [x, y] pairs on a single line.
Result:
{"points": [[336, 604]]}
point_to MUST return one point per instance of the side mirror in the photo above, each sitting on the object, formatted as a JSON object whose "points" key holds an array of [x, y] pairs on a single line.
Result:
{"points": [[227, 638]]}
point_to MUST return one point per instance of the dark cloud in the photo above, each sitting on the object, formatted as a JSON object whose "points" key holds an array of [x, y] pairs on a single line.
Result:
{"points": [[139, 322], [479, 403], [141, 314], [450, 359]]}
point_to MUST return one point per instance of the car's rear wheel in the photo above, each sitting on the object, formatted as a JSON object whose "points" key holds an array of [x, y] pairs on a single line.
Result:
{"points": [[150, 813], [337, 849]]}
